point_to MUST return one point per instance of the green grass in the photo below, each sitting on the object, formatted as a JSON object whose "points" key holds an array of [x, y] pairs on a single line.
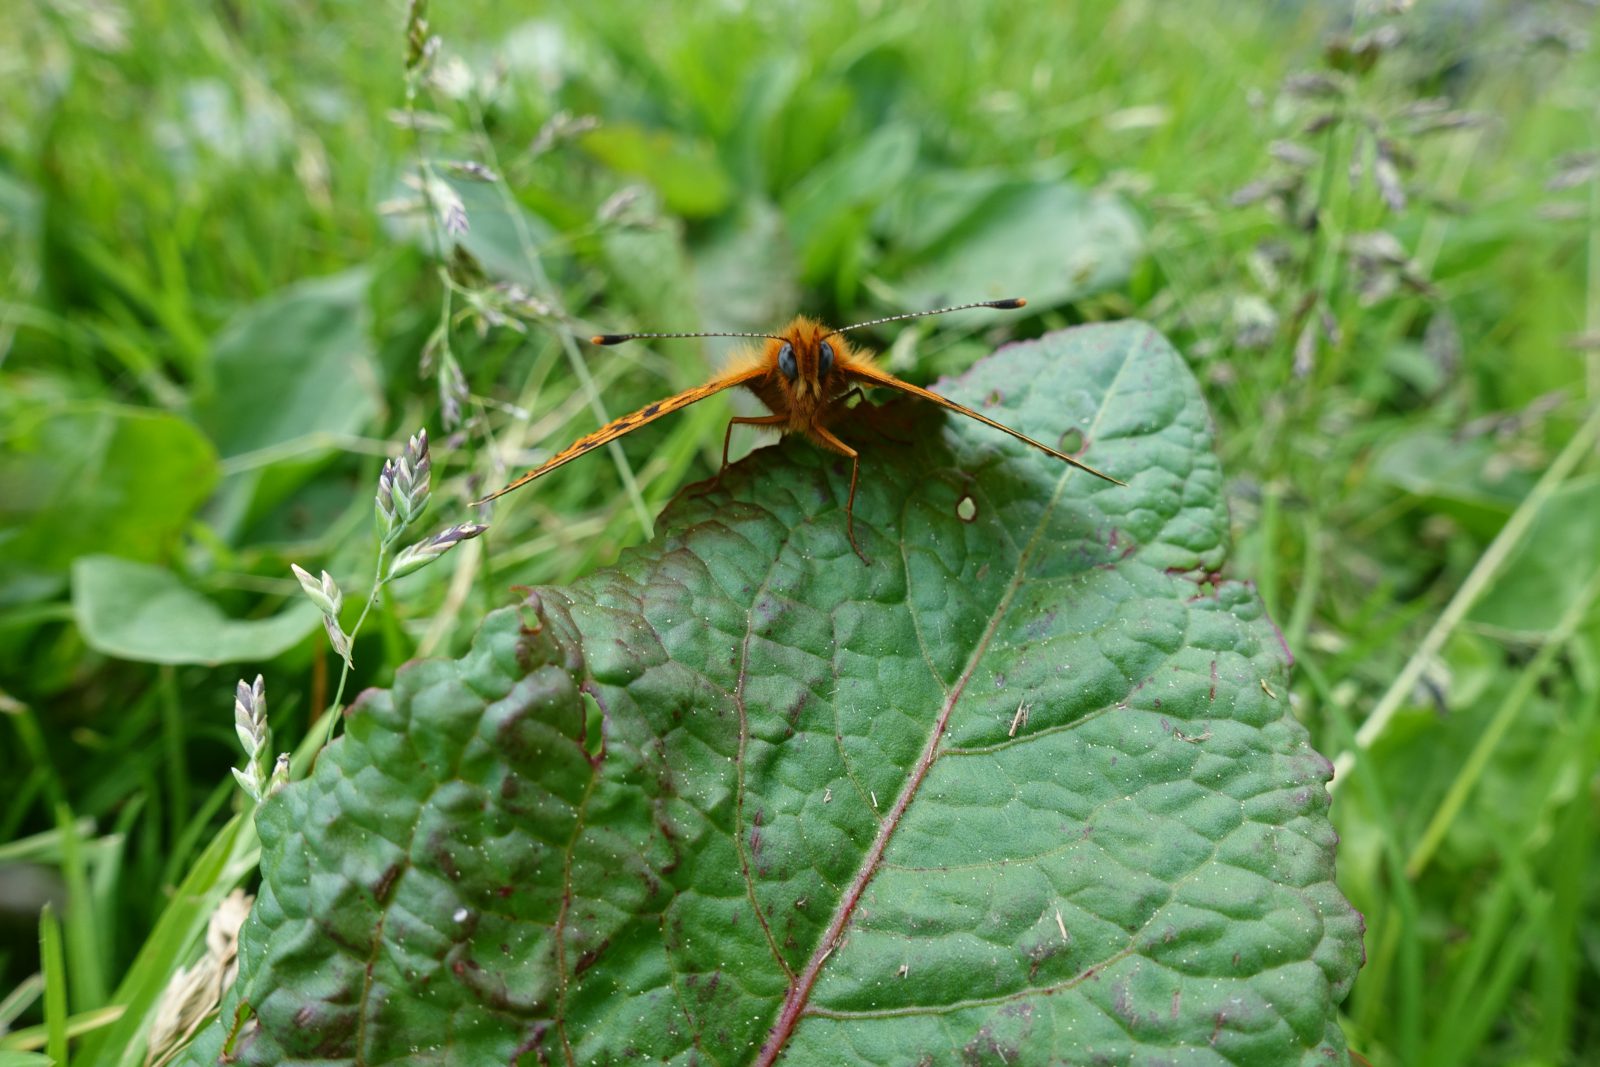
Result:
{"points": [[1405, 487]]}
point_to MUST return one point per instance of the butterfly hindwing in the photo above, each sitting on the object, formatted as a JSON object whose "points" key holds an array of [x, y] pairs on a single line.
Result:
{"points": [[628, 423], [868, 374]]}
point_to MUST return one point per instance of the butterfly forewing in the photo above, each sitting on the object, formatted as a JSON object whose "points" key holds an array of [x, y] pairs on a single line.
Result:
{"points": [[803, 394], [630, 422], [868, 374]]}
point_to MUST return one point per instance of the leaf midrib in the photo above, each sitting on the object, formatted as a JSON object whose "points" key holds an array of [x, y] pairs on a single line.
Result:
{"points": [[795, 1001]]}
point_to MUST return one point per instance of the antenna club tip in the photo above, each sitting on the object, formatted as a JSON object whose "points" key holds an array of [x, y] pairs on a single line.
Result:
{"points": [[608, 338], [1010, 304]]}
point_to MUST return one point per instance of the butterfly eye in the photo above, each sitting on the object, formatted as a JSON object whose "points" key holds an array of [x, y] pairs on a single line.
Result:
{"points": [[786, 362], [824, 360]]}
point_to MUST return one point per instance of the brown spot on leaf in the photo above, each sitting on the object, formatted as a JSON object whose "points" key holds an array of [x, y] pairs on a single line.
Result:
{"points": [[386, 881], [588, 959]]}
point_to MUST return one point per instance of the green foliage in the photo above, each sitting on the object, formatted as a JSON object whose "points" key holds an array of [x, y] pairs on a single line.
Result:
{"points": [[1537, 586], [1021, 788], [24, 1059], [138, 612], [236, 280], [685, 174], [291, 367], [976, 235], [83, 477]]}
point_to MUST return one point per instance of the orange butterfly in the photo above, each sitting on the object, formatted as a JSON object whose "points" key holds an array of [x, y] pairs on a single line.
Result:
{"points": [[804, 376]]}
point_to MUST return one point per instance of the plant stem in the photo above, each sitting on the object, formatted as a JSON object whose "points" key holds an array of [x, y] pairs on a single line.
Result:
{"points": [[1483, 572], [548, 293], [334, 709], [1527, 680]]}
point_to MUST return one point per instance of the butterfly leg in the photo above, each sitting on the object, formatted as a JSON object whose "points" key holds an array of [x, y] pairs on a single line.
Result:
{"points": [[727, 438], [828, 440]]}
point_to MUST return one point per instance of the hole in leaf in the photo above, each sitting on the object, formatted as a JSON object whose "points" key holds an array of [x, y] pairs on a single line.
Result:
{"points": [[967, 509], [1071, 442]]}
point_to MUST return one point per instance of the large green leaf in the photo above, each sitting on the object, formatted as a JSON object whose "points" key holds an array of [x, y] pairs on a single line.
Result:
{"points": [[1455, 476], [818, 820], [296, 365], [1548, 569], [93, 477], [139, 612], [292, 375], [986, 236]]}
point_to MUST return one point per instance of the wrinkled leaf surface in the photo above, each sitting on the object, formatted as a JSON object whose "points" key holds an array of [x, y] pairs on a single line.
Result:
{"points": [[1024, 790]]}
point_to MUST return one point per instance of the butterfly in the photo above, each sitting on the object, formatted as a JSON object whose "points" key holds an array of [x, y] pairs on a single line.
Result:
{"points": [[805, 375]]}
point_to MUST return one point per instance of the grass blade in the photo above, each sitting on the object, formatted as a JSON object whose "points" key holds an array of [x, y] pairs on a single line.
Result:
{"points": [[1503, 719], [52, 959], [1477, 582], [231, 855]]}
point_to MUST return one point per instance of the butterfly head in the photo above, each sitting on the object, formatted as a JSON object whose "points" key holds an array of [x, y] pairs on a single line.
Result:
{"points": [[806, 358]]}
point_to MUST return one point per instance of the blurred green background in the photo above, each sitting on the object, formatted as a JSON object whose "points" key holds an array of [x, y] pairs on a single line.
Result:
{"points": [[1373, 228]]}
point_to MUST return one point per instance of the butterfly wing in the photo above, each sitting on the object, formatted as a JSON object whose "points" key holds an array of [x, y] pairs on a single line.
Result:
{"points": [[868, 374], [628, 423]]}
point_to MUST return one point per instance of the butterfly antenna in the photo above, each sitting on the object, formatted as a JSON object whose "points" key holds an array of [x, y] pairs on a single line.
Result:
{"points": [[1008, 304], [618, 338]]}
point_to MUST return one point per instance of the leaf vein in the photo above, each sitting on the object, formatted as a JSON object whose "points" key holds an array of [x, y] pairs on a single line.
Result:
{"points": [[795, 1002], [739, 788]]}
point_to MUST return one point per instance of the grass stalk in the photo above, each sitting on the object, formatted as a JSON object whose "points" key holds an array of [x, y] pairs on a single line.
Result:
{"points": [[1476, 584]]}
